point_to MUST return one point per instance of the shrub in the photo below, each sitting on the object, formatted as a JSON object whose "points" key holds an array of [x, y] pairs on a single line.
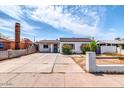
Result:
{"points": [[93, 46], [85, 48], [67, 49]]}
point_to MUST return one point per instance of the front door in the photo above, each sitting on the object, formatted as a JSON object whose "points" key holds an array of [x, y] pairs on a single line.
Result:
{"points": [[55, 48]]}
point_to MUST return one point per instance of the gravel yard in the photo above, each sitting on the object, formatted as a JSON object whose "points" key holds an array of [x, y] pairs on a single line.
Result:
{"points": [[80, 60]]}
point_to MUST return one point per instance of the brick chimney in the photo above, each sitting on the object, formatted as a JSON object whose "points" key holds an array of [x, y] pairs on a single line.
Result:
{"points": [[17, 36]]}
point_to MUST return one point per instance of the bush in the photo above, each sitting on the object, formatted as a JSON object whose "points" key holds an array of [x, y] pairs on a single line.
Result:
{"points": [[67, 49], [85, 48], [93, 46], [90, 47]]}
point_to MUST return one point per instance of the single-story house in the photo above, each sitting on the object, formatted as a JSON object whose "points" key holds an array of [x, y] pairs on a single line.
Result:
{"points": [[55, 46], [48, 46], [111, 46]]}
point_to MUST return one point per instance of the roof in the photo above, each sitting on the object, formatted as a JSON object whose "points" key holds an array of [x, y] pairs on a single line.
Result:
{"points": [[75, 40], [4, 40], [26, 40], [48, 41], [110, 42]]}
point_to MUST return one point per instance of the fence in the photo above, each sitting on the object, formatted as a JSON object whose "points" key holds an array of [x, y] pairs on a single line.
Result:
{"points": [[16, 53], [92, 67], [108, 49]]}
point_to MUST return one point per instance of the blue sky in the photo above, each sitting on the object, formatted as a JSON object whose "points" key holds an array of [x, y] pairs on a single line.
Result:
{"points": [[52, 22]]}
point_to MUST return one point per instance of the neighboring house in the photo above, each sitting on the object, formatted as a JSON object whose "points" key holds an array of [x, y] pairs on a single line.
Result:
{"points": [[55, 46], [111, 46], [6, 44], [24, 43]]}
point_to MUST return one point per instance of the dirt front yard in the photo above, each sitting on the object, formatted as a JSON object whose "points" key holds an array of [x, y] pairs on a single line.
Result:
{"points": [[81, 60]]}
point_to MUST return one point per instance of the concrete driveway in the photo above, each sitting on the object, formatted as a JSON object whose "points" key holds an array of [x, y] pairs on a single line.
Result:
{"points": [[52, 70], [40, 63]]}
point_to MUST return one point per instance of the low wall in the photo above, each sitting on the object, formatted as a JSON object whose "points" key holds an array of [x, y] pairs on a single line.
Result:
{"points": [[92, 67], [16, 53], [3, 55], [110, 68]]}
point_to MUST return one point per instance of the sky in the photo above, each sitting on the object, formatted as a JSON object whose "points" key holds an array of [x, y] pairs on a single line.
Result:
{"points": [[53, 22]]}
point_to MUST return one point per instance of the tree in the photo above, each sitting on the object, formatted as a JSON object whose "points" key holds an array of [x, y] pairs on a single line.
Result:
{"points": [[118, 38]]}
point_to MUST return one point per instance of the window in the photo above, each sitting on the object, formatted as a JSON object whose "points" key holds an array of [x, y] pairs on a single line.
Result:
{"points": [[72, 45], [45, 46]]}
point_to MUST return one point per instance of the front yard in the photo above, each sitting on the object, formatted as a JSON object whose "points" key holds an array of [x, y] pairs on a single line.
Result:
{"points": [[100, 60]]}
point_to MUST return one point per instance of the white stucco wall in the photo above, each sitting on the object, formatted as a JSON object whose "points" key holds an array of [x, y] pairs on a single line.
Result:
{"points": [[108, 49], [77, 46], [92, 67], [42, 49]]}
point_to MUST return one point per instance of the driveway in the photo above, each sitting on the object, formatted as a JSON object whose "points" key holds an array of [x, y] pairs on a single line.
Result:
{"points": [[52, 70], [40, 63]]}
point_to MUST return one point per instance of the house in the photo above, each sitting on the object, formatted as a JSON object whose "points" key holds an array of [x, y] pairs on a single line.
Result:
{"points": [[48, 46], [24, 43], [111, 46], [76, 43], [55, 46], [6, 44]]}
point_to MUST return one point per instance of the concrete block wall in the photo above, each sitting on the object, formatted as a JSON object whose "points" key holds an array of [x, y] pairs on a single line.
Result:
{"points": [[15, 53], [3, 55], [93, 68]]}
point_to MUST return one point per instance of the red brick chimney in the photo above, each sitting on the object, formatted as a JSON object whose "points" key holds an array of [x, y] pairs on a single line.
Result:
{"points": [[17, 36]]}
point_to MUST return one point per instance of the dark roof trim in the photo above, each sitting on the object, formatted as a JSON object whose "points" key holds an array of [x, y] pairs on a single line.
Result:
{"points": [[76, 40], [48, 41]]}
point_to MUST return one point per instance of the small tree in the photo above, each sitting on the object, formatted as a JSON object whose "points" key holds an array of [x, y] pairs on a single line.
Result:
{"points": [[93, 46], [85, 48], [67, 49]]}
